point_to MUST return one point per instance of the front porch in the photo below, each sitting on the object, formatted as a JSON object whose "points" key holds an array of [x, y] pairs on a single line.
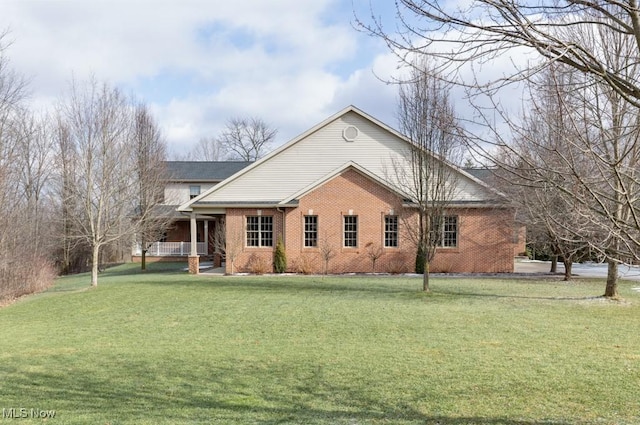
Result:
{"points": [[177, 245]]}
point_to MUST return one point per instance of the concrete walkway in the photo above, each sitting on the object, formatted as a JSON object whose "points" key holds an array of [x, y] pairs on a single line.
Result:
{"points": [[598, 270]]}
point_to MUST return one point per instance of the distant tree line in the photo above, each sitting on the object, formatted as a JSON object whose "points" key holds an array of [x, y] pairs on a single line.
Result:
{"points": [[80, 184], [76, 184]]}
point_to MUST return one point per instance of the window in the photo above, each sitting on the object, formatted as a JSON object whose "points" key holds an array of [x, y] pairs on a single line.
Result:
{"points": [[351, 231], [310, 231], [259, 231], [391, 231], [194, 191], [450, 232], [444, 231]]}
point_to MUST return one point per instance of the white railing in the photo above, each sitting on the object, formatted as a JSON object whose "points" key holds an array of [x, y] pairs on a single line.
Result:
{"points": [[171, 249]]}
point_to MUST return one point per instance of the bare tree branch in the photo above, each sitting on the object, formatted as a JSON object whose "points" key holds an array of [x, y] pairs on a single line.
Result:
{"points": [[246, 139]]}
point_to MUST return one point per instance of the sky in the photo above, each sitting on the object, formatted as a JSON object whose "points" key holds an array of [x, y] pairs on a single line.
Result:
{"points": [[198, 63]]}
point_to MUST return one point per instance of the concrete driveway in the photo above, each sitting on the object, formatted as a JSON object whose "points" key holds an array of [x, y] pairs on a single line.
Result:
{"points": [[579, 270]]}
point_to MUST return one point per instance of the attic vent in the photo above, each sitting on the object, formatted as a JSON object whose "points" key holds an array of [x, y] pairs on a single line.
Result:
{"points": [[350, 133]]}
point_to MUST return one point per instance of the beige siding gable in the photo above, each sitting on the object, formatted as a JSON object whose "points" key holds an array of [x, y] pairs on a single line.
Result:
{"points": [[178, 193], [348, 137]]}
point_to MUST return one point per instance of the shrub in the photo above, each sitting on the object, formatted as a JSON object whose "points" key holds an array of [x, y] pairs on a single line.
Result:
{"points": [[258, 265], [24, 275], [374, 251], [280, 258], [305, 265], [397, 265]]}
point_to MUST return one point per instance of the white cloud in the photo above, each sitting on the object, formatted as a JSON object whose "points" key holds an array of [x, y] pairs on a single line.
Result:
{"points": [[197, 62]]}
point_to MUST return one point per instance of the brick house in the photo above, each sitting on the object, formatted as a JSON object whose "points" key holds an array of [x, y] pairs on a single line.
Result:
{"points": [[328, 194]]}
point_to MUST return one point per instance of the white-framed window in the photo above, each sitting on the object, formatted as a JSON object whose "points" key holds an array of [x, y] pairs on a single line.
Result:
{"points": [[194, 190], [259, 230], [444, 230], [350, 231], [310, 231], [450, 232], [390, 231]]}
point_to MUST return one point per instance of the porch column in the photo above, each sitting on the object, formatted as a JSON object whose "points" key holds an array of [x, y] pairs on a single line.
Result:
{"points": [[194, 261], [206, 238]]}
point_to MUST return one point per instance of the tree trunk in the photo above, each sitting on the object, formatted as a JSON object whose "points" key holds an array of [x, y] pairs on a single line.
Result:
{"points": [[425, 277], [143, 260], [95, 259], [567, 268], [554, 264], [611, 290]]}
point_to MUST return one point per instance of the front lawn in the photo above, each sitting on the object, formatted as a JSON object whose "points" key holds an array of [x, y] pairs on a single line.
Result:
{"points": [[168, 348]]}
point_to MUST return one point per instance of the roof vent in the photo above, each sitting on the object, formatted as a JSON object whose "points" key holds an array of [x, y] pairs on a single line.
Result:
{"points": [[350, 133]]}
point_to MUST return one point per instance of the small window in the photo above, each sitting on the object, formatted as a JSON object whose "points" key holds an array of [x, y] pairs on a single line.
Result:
{"points": [[351, 231], [391, 231], [194, 191], [259, 231], [310, 231]]}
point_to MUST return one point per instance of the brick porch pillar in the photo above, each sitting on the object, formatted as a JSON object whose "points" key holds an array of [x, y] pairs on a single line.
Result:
{"points": [[194, 259], [194, 264]]}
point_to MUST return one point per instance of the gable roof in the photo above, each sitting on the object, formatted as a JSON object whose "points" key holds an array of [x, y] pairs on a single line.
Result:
{"points": [[310, 159], [203, 171]]}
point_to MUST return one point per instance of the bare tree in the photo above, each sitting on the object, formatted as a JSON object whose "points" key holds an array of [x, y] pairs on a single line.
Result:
{"points": [[327, 252], [599, 42], [592, 167], [427, 117], [207, 149], [98, 122], [542, 205], [152, 220], [374, 251], [246, 139]]}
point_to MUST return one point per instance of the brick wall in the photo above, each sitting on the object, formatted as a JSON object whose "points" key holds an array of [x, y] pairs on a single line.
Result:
{"points": [[241, 258], [485, 236], [350, 193], [485, 243]]}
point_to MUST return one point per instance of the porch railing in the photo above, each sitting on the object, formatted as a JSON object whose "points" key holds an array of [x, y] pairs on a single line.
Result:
{"points": [[171, 249]]}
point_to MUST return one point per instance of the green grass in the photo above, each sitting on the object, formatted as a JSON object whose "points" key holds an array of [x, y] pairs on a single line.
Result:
{"points": [[164, 347]]}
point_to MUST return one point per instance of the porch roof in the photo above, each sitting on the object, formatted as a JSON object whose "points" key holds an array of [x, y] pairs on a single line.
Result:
{"points": [[169, 211]]}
